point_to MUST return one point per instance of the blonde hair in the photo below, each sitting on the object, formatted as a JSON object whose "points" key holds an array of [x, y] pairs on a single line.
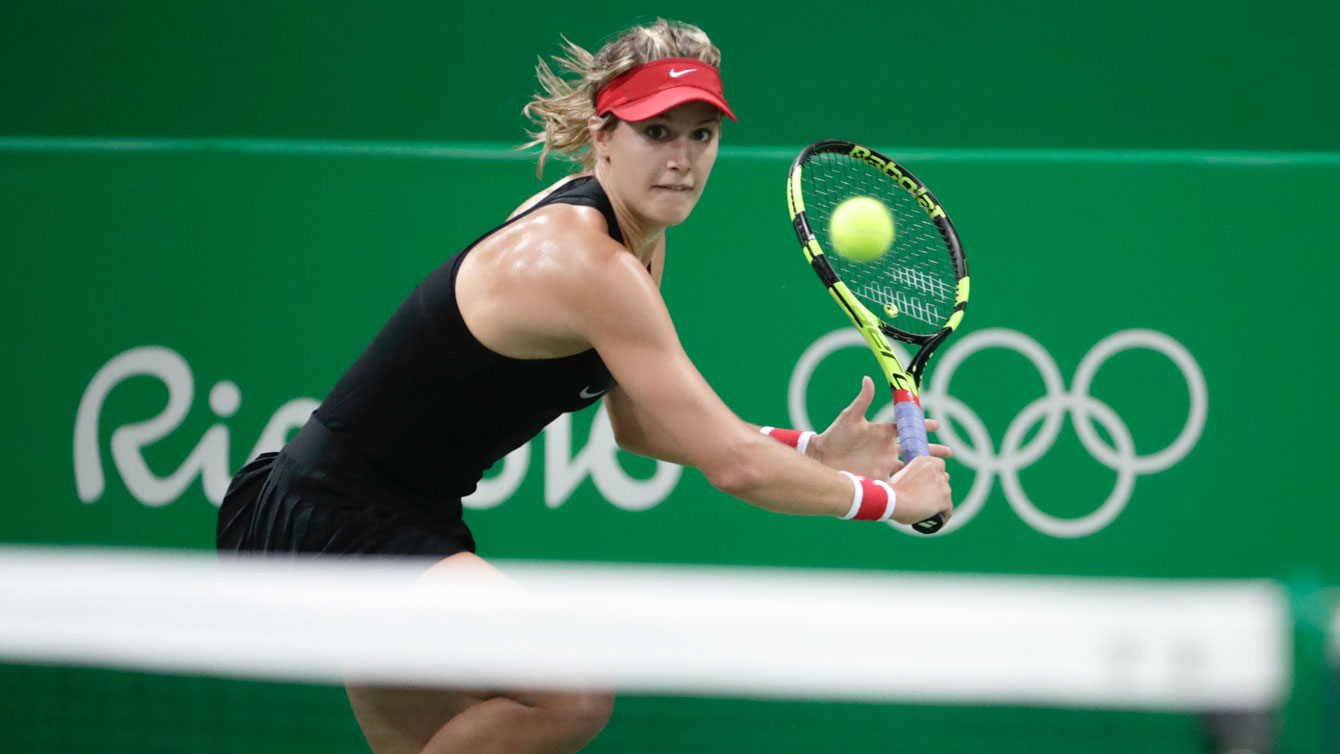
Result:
{"points": [[566, 106]]}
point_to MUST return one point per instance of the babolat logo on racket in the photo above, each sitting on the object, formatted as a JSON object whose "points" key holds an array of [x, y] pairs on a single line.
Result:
{"points": [[890, 168]]}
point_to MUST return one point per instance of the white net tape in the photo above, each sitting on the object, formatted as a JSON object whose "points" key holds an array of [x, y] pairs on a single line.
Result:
{"points": [[1197, 645]]}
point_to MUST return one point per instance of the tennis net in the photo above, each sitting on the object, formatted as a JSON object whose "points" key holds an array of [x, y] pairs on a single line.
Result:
{"points": [[147, 652]]}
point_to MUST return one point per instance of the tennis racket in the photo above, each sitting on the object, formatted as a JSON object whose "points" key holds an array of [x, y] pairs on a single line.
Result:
{"points": [[915, 293]]}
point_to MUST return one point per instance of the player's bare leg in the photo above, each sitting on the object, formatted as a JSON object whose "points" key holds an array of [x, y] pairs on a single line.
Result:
{"points": [[399, 720]]}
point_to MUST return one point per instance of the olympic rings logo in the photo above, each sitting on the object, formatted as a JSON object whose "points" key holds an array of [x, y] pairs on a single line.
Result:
{"points": [[1014, 455]]}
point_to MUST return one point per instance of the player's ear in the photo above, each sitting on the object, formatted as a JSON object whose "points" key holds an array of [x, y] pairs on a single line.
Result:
{"points": [[600, 131]]}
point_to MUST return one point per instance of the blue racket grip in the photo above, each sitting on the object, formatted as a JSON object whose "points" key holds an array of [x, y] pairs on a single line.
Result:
{"points": [[912, 439]]}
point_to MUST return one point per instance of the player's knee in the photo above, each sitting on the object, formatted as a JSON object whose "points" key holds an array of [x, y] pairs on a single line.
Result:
{"points": [[580, 717]]}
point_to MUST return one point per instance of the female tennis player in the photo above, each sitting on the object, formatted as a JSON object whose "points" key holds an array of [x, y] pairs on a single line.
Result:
{"points": [[545, 314]]}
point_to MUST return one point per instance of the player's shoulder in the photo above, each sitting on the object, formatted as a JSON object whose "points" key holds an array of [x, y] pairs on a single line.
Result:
{"points": [[585, 253], [560, 253], [574, 233]]}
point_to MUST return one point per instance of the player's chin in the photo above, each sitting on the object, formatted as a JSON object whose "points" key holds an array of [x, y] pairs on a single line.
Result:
{"points": [[673, 207]]}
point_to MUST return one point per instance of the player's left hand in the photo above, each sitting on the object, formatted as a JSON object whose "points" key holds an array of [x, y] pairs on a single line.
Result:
{"points": [[862, 447]]}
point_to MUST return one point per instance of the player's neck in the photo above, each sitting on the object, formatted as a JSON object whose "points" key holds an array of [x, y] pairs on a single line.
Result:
{"points": [[639, 235]]}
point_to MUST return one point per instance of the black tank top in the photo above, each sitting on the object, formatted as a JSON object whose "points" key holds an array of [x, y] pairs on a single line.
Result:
{"points": [[432, 408]]}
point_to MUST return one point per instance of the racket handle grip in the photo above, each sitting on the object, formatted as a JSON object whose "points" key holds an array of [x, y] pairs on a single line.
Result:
{"points": [[911, 422]]}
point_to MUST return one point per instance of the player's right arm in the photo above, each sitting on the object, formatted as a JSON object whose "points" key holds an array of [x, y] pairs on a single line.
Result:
{"points": [[669, 407], [850, 443]]}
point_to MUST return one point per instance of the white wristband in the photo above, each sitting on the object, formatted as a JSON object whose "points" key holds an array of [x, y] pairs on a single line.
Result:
{"points": [[798, 440], [893, 500], [804, 441], [856, 495], [858, 498]]}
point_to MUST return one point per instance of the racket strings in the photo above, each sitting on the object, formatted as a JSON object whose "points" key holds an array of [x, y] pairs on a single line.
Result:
{"points": [[913, 287]]}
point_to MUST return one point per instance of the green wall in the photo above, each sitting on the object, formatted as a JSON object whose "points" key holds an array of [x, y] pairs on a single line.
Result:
{"points": [[266, 270], [269, 268], [235, 196], [1233, 74]]}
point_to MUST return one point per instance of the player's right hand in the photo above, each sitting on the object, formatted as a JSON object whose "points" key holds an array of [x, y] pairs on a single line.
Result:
{"points": [[923, 491]]}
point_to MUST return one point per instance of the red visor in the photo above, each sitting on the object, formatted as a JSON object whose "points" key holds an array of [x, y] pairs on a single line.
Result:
{"points": [[650, 89]]}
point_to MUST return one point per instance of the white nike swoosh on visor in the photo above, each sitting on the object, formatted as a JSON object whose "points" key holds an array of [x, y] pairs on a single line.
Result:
{"points": [[676, 74], [586, 393]]}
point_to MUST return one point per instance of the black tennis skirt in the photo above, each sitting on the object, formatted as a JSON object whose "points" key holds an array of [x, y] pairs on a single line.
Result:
{"points": [[292, 503]]}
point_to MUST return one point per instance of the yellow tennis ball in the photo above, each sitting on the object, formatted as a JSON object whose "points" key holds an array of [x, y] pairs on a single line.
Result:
{"points": [[861, 229]]}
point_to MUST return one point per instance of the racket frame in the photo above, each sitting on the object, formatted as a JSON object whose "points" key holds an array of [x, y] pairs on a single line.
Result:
{"points": [[905, 384]]}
